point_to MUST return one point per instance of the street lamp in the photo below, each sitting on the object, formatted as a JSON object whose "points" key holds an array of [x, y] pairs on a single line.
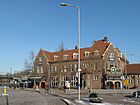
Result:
{"points": [[78, 12], [49, 77]]}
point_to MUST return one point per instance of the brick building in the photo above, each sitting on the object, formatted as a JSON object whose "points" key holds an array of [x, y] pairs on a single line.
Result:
{"points": [[133, 76], [102, 66]]}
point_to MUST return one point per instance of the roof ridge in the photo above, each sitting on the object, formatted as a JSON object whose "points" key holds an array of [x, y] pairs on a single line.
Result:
{"points": [[67, 50]]}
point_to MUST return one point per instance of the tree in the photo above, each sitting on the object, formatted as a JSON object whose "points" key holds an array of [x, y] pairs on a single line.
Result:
{"points": [[29, 65], [61, 47]]}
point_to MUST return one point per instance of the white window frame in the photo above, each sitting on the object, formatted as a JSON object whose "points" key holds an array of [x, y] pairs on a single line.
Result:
{"points": [[75, 55], [65, 68], [65, 57], [37, 69], [87, 54], [41, 69], [75, 67], [96, 52], [55, 68], [138, 81], [55, 57]]}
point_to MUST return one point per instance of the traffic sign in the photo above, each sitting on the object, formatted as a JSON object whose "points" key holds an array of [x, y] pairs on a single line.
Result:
{"points": [[125, 82]]}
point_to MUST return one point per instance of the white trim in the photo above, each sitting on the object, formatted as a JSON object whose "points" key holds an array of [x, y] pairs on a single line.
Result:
{"points": [[44, 55], [106, 49]]}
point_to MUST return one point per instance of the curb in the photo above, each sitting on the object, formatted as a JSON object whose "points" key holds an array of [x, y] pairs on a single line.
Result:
{"points": [[64, 100]]}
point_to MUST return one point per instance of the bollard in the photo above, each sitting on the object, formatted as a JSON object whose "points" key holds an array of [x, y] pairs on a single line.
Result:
{"points": [[4, 90], [6, 95]]}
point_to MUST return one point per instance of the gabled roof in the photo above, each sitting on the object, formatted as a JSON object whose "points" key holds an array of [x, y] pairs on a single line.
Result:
{"points": [[60, 54], [99, 45]]}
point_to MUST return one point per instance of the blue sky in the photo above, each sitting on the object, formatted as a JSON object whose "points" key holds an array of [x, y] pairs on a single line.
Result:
{"points": [[28, 25]]}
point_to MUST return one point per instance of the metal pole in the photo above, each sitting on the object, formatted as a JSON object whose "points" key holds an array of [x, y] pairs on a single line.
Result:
{"points": [[49, 78], [78, 12], [78, 52], [49, 81], [33, 74]]}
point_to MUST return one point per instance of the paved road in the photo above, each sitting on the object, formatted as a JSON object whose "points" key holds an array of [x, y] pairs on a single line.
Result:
{"points": [[108, 99], [21, 97]]}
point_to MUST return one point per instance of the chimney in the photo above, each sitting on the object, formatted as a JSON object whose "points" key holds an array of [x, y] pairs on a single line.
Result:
{"points": [[76, 47], [105, 39]]}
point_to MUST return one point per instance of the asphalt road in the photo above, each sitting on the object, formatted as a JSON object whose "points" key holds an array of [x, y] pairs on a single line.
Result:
{"points": [[108, 99], [21, 97]]}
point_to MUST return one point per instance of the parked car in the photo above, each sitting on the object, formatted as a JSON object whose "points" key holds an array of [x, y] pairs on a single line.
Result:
{"points": [[93, 97], [136, 94]]}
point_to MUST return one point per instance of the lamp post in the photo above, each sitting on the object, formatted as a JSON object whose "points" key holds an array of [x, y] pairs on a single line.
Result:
{"points": [[78, 12], [49, 76]]}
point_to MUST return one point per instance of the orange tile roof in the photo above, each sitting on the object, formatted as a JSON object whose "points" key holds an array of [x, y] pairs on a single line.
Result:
{"points": [[99, 45]]}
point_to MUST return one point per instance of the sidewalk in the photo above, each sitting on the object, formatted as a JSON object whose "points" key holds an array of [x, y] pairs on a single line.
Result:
{"points": [[69, 97]]}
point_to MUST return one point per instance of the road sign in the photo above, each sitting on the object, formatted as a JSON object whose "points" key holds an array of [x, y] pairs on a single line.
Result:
{"points": [[125, 82]]}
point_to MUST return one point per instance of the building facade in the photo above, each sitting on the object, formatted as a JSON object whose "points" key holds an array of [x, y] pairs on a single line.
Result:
{"points": [[133, 76], [102, 67]]}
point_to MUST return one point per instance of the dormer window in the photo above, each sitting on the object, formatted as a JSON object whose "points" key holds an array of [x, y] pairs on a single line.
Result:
{"points": [[120, 55], [87, 54], [65, 57], [55, 57], [75, 55], [96, 53]]}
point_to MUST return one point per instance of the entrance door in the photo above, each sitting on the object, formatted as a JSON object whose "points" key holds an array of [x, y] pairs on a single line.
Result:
{"points": [[117, 85], [43, 85], [110, 85]]}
